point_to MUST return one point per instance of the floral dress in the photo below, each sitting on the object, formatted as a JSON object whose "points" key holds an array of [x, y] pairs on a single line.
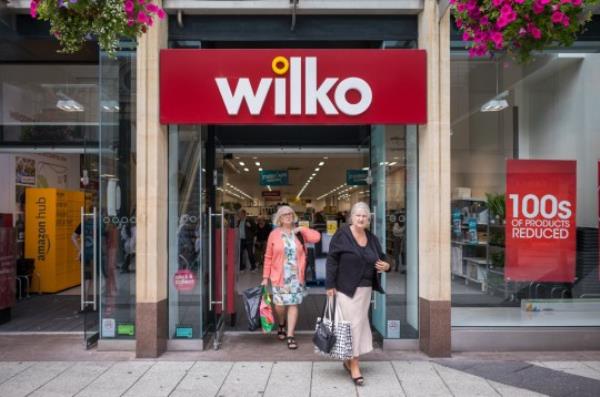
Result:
{"points": [[291, 292]]}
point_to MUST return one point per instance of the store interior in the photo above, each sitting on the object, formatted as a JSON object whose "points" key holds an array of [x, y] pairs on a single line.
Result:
{"points": [[317, 189]]}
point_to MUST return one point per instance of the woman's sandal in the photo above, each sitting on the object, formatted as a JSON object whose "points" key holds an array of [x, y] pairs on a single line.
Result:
{"points": [[291, 342], [360, 381], [281, 332]]}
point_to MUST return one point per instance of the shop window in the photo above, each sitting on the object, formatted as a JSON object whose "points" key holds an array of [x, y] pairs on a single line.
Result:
{"points": [[525, 159]]}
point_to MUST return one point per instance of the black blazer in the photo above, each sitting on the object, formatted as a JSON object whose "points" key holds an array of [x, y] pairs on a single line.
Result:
{"points": [[345, 265]]}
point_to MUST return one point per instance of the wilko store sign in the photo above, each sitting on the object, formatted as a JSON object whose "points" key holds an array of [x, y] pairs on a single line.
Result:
{"points": [[540, 220], [292, 86]]}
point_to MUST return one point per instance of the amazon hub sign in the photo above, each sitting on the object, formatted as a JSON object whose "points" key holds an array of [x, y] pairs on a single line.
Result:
{"points": [[293, 87]]}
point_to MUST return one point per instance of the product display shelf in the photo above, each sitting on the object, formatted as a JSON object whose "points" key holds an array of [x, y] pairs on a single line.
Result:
{"points": [[470, 256]]}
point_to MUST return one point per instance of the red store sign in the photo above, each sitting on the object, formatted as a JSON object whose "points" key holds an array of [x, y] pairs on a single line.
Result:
{"points": [[540, 220], [284, 86]]}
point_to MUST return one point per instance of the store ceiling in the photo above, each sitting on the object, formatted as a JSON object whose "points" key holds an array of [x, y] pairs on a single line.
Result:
{"points": [[300, 167]]}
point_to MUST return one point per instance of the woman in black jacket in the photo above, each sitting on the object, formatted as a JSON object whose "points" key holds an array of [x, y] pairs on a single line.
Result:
{"points": [[354, 261]]}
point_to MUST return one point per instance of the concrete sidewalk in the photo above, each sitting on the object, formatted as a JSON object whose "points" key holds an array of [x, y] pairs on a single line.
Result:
{"points": [[257, 366], [288, 379]]}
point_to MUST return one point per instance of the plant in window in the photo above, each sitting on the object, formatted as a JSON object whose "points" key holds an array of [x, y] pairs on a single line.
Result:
{"points": [[73, 22], [497, 206], [519, 26]]}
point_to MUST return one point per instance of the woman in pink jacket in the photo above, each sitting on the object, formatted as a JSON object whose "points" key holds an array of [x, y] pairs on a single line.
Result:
{"points": [[285, 265]]}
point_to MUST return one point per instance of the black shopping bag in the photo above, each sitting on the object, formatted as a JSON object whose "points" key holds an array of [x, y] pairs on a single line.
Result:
{"points": [[252, 298]]}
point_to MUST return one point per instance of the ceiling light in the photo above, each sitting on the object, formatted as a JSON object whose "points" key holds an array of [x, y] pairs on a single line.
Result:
{"points": [[393, 163], [314, 174], [257, 163], [494, 105], [246, 169], [242, 163], [69, 105], [365, 169], [260, 169], [317, 169], [322, 163]]}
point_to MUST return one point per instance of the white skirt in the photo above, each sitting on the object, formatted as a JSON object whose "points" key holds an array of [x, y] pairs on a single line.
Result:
{"points": [[356, 310]]}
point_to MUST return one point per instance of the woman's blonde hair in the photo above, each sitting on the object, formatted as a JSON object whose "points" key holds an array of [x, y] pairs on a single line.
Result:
{"points": [[282, 210], [358, 207]]}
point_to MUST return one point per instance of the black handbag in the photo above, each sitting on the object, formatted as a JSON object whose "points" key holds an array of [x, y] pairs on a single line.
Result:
{"points": [[324, 337]]}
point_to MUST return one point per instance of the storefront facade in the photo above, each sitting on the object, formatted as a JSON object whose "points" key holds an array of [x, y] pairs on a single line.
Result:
{"points": [[461, 293]]}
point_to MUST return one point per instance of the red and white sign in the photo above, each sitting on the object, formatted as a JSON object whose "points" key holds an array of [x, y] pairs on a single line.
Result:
{"points": [[184, 280], [271, 195], [540, 220], [282, 86]]}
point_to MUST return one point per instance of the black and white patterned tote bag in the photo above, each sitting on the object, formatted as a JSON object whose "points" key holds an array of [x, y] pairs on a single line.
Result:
{"points": [[342, 348]]}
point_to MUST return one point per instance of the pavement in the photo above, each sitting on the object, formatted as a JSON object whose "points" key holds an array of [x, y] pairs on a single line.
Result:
{"points": [[57, 365]]}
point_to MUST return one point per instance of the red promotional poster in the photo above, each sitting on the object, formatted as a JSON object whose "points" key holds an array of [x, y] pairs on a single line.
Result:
{"points": [[540, 220], [184, 280], [283, 86]]}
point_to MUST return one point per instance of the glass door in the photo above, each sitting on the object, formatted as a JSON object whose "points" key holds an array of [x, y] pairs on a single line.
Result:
{"points": [[219, 232], [377, 172]]}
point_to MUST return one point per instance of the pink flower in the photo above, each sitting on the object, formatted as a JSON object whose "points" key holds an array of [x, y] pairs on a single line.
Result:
{"points": [[497, 3], [152, 8], [459, 23], [484, 21], [142, 18], [566, 1], [577, 3], [538, 8], [535, 31], [33, 6], [128, 6], [461, 7], [497, 38], [466, 36], [502, 21], [161, 13], [557, 17], [544, 2], [141, 1], [506, 9], [522, 31], [565, 21], [519, 1], [130, 22]]}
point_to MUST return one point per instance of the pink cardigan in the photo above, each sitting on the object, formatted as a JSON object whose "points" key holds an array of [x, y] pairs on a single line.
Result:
{"points": [[275, 255]]}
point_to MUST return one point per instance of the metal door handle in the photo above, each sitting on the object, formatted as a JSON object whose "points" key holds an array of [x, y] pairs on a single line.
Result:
{"points": [[210, 261], [81, 264], [95, 263], [223, 275]]}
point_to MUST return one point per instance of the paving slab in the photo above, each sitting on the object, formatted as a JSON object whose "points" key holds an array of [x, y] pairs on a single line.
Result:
{"points": [[117, 380], [204, 378], [331, 379], [73, 380], [380, 380], [419, 378], [32, 378], [464, 384], [511, 391], [571, 367], [160, 380], [246, 379], [290, 379], [11, 368]]}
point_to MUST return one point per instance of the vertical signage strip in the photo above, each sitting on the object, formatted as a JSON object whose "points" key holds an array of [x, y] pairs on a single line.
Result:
{"points": [[540, 220]]}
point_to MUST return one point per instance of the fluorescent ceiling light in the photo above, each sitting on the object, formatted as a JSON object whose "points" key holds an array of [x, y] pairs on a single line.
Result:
{"points": [[257, 163], [69, 105], [242, 163], [494, 105], [260, 169], [322, 163], [246, 169]]}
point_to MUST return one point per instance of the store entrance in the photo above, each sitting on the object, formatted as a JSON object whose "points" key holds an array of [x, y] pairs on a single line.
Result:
{"points": [[320, 172], [50, 242]]}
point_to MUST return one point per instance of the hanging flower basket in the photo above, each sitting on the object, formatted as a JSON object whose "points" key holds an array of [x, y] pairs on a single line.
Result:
{"points": [[73, 22], [519, 26]]}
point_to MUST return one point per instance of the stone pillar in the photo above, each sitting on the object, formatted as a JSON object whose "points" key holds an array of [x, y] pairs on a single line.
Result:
{"points": [[152, 182], [434, 186]]}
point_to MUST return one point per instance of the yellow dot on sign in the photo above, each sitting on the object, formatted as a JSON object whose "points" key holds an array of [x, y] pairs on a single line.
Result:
{"points": [[280, 65]]}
